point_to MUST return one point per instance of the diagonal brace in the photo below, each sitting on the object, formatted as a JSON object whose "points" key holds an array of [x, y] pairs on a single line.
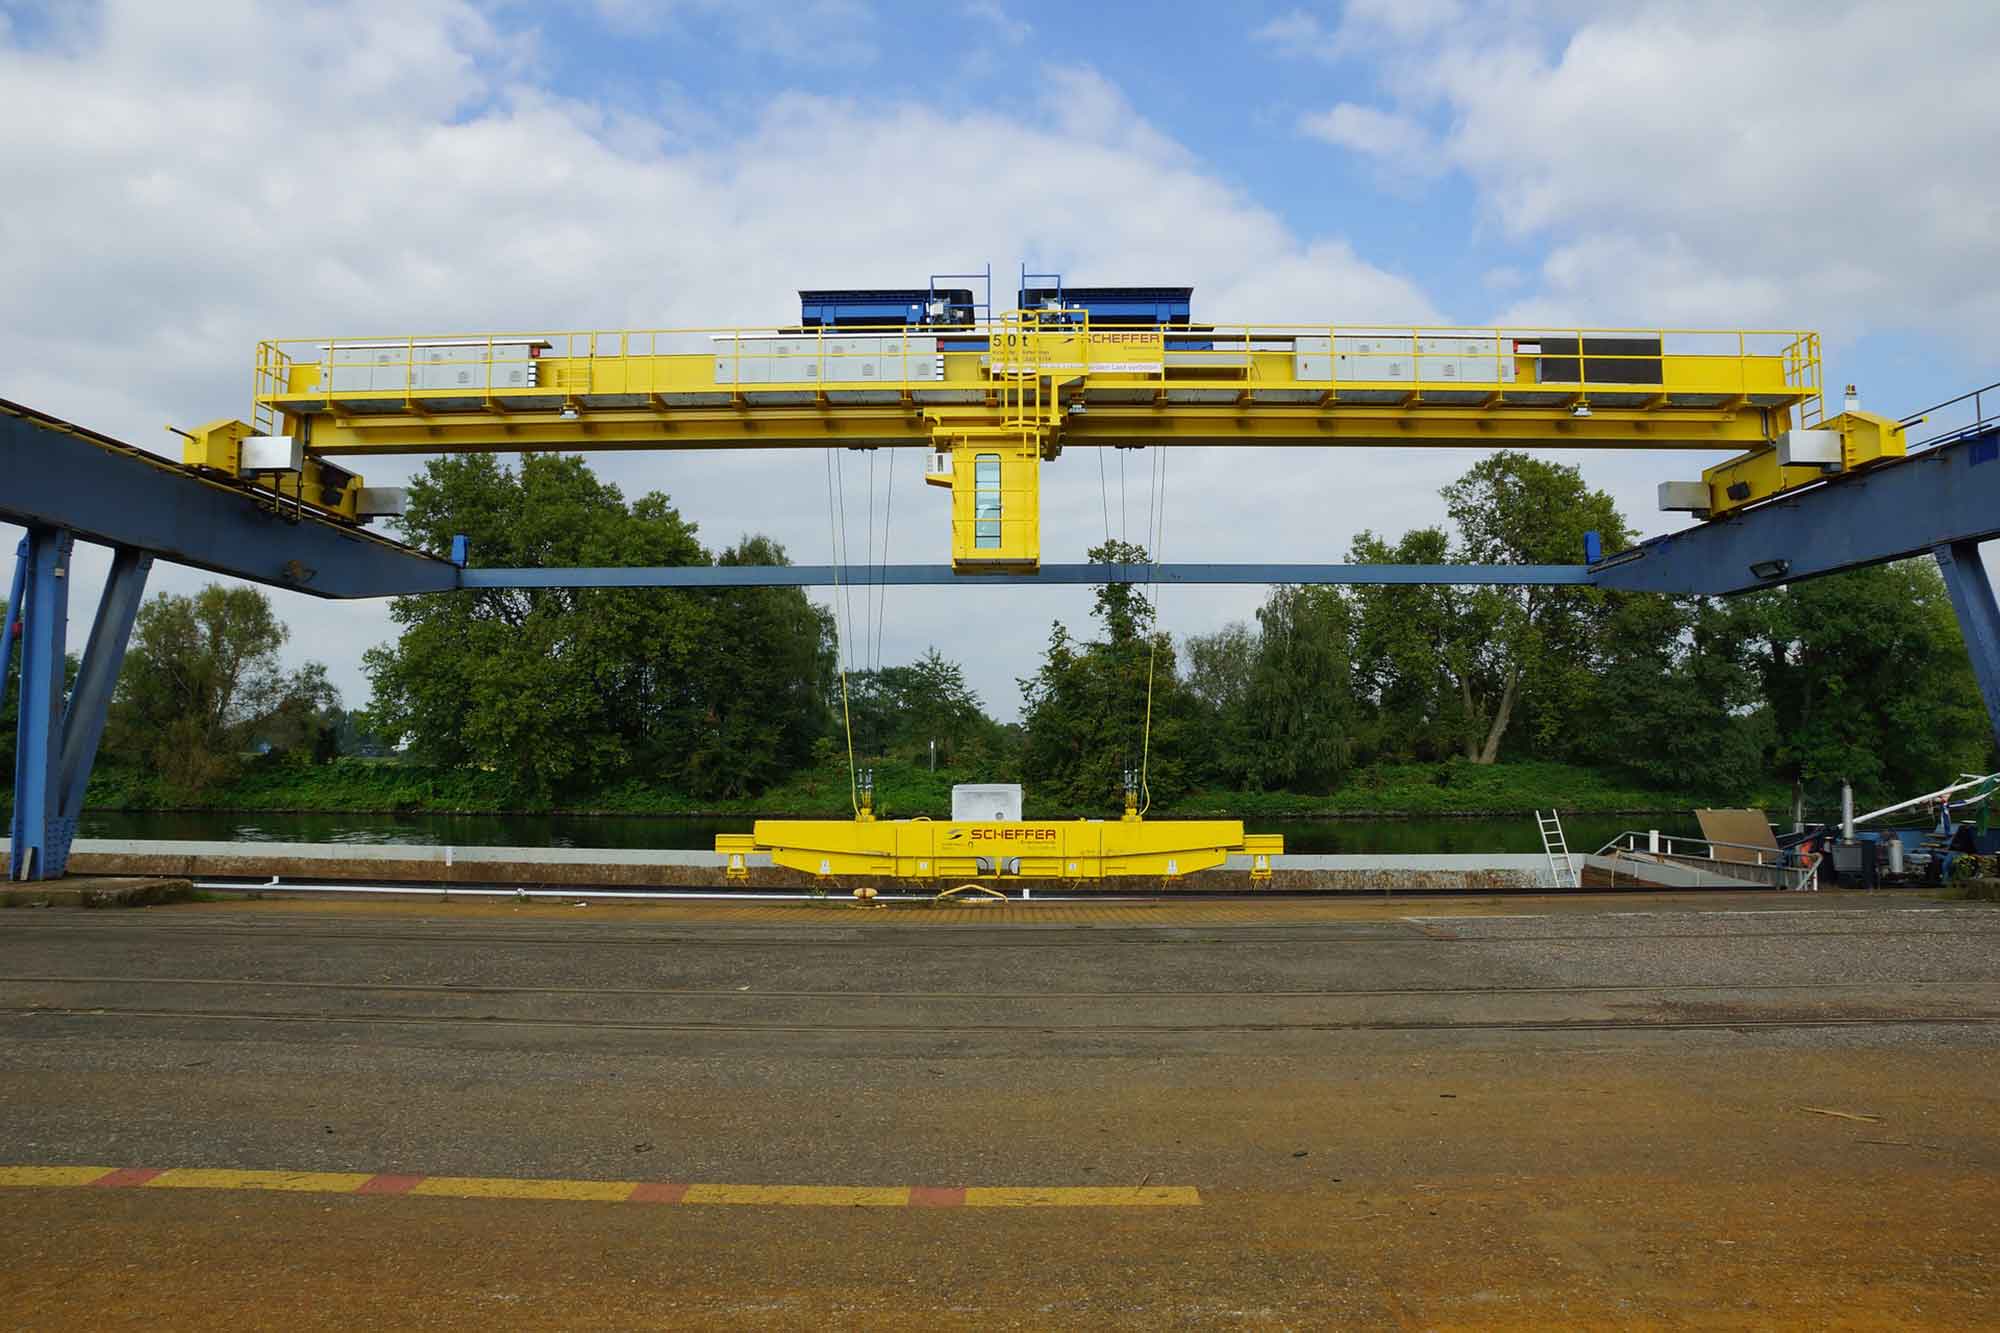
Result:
{"points": [[103, 655], [1972, 597]]}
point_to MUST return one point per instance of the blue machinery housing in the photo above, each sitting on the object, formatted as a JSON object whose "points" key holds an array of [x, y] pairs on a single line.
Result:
{"points": [[937, 304], [64, 483]]}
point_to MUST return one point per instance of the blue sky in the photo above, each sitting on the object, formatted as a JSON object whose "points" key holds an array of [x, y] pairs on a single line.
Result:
{"points": [[186, 179]]}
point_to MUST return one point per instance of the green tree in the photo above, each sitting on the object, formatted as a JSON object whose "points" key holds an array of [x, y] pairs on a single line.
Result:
{"points": [[1085, 711], [900, 710], [1525, 642], [1677, 700], [10, 704], [1451, 670], [1412, 651], [757, 695], [1219, 670], [1868, 681], [202, 682], [550, 686], [560, 688], [1301, 704]]}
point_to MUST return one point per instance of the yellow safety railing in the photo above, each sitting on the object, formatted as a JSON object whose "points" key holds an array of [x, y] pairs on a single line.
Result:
{"points": [[1585, 364]]}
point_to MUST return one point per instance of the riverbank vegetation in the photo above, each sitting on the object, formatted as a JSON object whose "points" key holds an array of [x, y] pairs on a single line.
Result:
{"points": [[1374, 699], [902, 788]]}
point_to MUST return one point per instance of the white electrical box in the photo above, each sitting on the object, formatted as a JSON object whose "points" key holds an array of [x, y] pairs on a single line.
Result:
{"points": [[382, 501], [1684, 497], [272, 453], [990, 803], [1809, 448], [469, 364], [855, 359]]}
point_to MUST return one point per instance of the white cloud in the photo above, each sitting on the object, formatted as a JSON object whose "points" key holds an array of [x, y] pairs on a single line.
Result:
{"points": [[390, 166], [834, 31], [1304, 33], [1396, 141], [1815, 164], [1295, 32], [1011, 30]]}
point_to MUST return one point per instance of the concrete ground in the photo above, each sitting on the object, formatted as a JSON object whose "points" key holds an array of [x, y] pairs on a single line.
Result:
{"points": [[1698, 1111]]}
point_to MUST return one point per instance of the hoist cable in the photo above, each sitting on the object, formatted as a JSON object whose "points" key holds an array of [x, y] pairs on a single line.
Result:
{"points": [[888, 512], [1104, 494], [869, 593], [845, 554], [834, 526], [1124, 514], [1156, 530]]}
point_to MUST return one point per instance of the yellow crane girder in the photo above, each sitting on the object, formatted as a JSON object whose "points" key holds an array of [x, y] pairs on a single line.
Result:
{"points": [[992, 402]]}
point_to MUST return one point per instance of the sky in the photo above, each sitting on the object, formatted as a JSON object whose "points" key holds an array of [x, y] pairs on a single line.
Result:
{"points": [[186, 179]]}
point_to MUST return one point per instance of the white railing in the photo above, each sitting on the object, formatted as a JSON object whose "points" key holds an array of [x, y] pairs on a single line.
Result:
{"points": [[1790, 872]]}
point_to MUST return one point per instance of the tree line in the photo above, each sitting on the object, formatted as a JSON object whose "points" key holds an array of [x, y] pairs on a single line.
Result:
{"points": [[727, 692], [1860, 677]]}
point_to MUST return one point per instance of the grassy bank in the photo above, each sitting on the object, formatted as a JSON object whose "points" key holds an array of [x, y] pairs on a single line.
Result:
{"points": [[905, 789]]}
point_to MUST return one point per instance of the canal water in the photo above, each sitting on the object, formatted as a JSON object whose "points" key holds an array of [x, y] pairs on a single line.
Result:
{"points": [[1421, 834]]}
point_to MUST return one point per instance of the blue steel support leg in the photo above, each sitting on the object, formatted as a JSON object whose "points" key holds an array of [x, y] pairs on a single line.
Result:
{"points": [[1978, 617], [90, 697], [13, 615], [40, 848]]}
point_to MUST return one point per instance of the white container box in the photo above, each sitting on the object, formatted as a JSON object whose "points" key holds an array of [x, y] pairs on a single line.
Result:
{"points": [[986, 804]]}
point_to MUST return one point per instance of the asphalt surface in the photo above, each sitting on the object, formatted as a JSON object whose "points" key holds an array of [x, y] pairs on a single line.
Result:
{"points": [[1702, 1111]]}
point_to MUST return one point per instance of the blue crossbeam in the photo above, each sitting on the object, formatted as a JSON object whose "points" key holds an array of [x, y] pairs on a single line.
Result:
{"points": [[822, 576]]}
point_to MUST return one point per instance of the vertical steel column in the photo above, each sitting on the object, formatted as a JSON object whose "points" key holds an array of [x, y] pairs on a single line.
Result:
{"points": [[90, 698], [1978, 617], [13, 614], [40, 849]]}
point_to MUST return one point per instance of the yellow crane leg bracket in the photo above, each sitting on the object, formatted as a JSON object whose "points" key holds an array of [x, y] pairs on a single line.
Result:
{"points": [[1850, 442], [922, 849], [234, 450]]}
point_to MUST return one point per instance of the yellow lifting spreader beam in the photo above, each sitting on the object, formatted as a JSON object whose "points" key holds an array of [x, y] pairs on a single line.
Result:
{"points": [[958, 850], [993, 401]]}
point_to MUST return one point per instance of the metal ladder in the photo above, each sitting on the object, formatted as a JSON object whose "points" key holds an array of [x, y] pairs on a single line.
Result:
{"points": [[1561, 872]]}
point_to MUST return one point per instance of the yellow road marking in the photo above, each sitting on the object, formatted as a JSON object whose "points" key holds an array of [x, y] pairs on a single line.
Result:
{"points": [[605, 1191], [302, 1182], [827, 1196], [1084, 1196], [52, 1176], [483, 1187]]}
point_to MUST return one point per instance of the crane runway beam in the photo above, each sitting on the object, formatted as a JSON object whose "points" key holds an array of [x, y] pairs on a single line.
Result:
{"points": [[60, 476], [1943, 496]]}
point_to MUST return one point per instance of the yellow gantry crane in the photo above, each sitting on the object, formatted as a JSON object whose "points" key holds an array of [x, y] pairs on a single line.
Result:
{"points": [[993, 398]]}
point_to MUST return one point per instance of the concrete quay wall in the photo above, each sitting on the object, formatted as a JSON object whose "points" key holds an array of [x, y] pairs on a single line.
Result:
{"points": [[629, 868]]}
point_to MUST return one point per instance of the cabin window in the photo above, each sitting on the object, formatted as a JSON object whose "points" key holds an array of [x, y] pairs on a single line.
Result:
{"points": [[986, 502]]}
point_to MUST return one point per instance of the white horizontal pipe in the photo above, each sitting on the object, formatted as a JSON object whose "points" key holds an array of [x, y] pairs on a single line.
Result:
{"points": [[1927, 796], [448, 891]]}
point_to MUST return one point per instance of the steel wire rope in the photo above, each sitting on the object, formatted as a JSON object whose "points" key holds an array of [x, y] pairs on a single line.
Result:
{"points": [[888, 513], [846, 549], [835, 527], [1156, 527], [1104, 494], [1124, 513], [869, 593]]}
